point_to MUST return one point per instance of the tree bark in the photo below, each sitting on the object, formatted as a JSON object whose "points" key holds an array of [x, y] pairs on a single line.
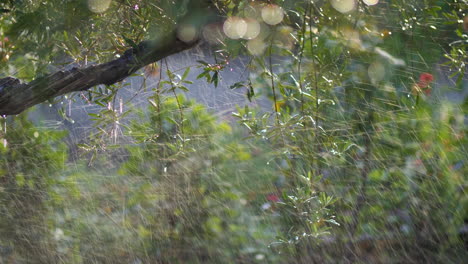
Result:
{"points": [[15, 97]]}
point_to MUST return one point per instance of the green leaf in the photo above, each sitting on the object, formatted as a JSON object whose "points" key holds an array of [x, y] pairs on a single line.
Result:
{"points": [[186, 73], [203, 62], [183, 88], [215, 79], [237, 85], [94, 115], [203, 74], [130, 42]]}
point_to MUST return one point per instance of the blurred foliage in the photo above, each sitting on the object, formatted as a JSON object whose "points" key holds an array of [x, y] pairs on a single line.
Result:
{"points": [[360, 158], [30, 161]]}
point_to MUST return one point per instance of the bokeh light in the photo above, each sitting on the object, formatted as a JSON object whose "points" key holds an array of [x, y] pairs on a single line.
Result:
{"points": [[353, 38], [256, 46], [265, 31], [252, 11], [343, 6], [272, 14], [187, 33], [235, 27], [376, 72], [371, 2], [283, 37], [98, 6], [253, 28], [213, 33]]}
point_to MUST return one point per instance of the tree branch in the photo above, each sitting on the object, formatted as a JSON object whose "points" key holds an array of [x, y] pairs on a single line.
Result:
{"points": [[15, 97]]}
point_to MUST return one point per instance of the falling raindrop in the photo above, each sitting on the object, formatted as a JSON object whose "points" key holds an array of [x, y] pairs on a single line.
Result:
{"points": [[69, 107], [4, 131]]}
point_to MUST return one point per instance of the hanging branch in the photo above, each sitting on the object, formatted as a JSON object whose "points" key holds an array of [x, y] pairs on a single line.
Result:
{"points": [[15, 97]]}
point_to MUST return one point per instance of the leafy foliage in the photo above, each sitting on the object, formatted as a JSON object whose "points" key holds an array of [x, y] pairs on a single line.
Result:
{"points": [[360, 157]]}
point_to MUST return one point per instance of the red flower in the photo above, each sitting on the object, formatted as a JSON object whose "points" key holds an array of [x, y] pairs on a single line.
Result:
{"points": [[427, 91], [273, 198], [425, 79]]}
